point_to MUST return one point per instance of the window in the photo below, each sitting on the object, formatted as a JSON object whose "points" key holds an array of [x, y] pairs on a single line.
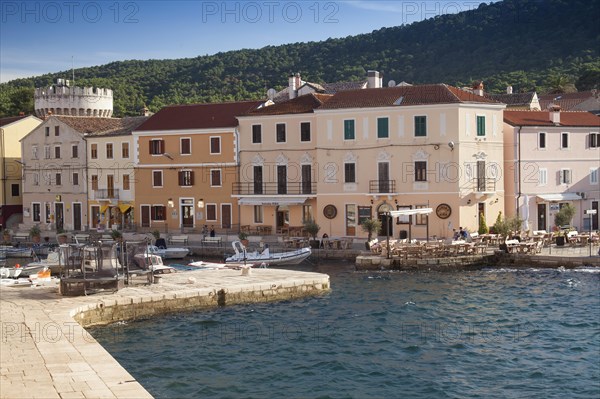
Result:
{"points": [[542, 140], [75, 178], [281, 179], [349, 129], [58, 179], [14, 189], [306, 179], [47, 132], [47, 152], [420, 126], [34, 152], [57, 152], [157, 180], [211, 212], [350, 219], [564, 176], [74, 151], [543, 177], [307, 213], [593, 175], [594, 140], [258, 180], [215, 145], [215, 177], [48, 213], [256, 134], [36, 179], [420, 220], [36, 212], [280, 132], [420, 170], [258, 214], [126, 185], [383, 128], [186, 178], [94, 151], [185, 146], [124, 150], [109, 151], [56, 130], [564, 140], [158, 212], [157, 147], [349, 173], [480, 125], [305, 131], [95, 182]]}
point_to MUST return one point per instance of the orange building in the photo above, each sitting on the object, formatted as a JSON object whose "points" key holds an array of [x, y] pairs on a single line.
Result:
{"points": [[187, 158]]}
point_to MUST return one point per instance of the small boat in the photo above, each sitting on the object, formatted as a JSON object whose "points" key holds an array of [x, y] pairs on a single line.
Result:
{"points": [[52, 262], [16, 252], [151, 261], [266, 257], [169, 253], [10, 272]]}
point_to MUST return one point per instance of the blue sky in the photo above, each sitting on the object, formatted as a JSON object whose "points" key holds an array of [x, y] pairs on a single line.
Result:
{"points": [[38, 37]]}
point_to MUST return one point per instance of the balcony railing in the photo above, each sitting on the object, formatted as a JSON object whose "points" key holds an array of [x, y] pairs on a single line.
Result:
{"points": [[382, 186], [106, 194], [484, 184], [274, 188]]}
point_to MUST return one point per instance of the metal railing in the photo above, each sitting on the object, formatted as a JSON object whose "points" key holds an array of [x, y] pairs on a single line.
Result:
{"points": [[105, 193], [382, 186], [484, 184], [274, 188]]}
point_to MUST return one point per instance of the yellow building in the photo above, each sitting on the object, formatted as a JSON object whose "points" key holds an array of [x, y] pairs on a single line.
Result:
{"points": [[12, 130]]}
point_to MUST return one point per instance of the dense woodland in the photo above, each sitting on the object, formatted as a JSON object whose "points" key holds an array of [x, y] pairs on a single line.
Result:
{"points": [[542, 45]]}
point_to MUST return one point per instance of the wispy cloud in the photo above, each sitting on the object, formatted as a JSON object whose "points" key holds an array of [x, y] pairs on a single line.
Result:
{"points": [[377, 5]]}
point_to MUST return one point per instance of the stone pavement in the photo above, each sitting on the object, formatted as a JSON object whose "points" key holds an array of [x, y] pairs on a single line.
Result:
{"points": [[45, 353]]}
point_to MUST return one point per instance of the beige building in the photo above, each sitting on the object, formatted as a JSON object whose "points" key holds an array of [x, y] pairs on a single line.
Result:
{"points": [[12, 130], [372, 151]]}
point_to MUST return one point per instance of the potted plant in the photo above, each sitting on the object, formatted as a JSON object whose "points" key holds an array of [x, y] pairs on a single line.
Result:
{"points": [[312, 228], [116, 235], [156, 234], [6, 236], [61, 236], [483, 227], [370, 226], [35, 233], [563, 218], [504, 227], [244, 238]]}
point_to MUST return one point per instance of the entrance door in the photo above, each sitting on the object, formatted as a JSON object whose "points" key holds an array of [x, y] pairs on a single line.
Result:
{"points": [[386, 225], [145, 215], [283, 220], [77, 216], [595, 217], [480, 176], [383, 169], [306, 179], [110, 185], [258, 180], [226, 216], [187, 213], [480, 211], [281, 179], [59, 216], [95, 216], [541, 217]]}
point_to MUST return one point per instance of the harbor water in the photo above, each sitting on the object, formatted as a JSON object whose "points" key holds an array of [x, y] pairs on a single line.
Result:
{"points": [[497, 333]]}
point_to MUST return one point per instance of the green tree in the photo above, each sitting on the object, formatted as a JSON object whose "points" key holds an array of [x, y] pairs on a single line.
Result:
{"points": [[483, 227], [564, 216]]}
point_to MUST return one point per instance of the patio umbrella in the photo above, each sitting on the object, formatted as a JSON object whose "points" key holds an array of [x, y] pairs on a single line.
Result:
{"points": [[525, 213]]}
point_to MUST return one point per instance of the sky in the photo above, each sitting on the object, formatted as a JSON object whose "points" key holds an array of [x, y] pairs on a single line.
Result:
{"points": [[38, 37]]}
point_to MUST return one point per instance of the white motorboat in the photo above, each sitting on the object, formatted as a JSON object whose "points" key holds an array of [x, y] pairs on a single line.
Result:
{"points": [[151, 261], [52, 262], [169, 253], [10, 272], [266, 257], [207, 265], [16, 252]]}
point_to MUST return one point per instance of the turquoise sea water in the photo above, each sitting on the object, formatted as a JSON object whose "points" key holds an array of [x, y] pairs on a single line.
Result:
{"points": [[485, 334]]}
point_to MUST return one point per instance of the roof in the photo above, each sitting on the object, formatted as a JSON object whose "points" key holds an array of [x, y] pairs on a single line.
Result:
{"points": [[512, 99], [324, 88], [567, 101], [299, 105], [102, 127], [542, 118], [198, 116], [403, 96], [11, 119]]}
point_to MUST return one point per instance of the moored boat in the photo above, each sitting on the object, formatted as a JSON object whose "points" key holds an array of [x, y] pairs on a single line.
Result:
{"points": [[169, 253], [266, 257]]}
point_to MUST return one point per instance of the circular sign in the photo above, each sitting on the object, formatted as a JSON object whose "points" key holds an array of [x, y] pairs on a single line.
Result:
{"points": [[330, 211], [443, 211]]}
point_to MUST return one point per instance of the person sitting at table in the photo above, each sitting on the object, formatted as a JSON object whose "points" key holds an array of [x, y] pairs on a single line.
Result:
{"points": [[265, 251], [455, 235], [323, 240], [212, 230]]}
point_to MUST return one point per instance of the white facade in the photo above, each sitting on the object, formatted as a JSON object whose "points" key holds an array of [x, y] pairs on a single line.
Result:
{"points": [[61, 99]]}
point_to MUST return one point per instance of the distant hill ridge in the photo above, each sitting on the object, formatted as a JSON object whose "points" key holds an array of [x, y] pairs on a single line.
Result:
{"points": [[525, 43]]}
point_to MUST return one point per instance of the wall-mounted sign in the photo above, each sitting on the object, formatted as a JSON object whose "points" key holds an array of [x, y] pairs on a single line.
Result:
{"points": [[443, 211], [330, 211]]}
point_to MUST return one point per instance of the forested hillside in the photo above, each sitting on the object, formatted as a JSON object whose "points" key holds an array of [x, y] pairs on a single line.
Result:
{"points": [[530, 44]]}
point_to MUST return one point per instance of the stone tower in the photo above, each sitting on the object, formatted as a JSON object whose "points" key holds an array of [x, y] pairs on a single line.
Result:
{"points": [[62, 99]]}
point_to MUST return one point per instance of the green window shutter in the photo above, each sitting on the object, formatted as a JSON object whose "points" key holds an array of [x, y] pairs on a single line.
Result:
{"points": [[420, 126], [481, 125], [349, 129], [383, 128]]}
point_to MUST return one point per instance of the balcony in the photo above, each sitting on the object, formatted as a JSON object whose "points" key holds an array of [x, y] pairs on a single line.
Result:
{"points": [[105, 194], [484, 185], [274, 188], [382, 186]]}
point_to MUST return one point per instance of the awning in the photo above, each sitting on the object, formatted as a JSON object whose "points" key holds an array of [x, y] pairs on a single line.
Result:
{"points": [[124, 207], [272, 200], [560, 197], [408, 212], [103, 208]]}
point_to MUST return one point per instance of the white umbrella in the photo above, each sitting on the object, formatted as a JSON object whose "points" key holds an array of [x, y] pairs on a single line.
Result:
{"points": [[525, 213]]}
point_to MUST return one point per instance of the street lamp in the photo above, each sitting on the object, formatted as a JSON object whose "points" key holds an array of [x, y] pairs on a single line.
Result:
{"points": [[201, 203], [170, 203]]}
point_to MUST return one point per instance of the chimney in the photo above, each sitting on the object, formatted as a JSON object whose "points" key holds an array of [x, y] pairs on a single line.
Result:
{"points": [[554, 113], [292, 88], [146, 112], [373, 80], [508, 89], [478, 88]]}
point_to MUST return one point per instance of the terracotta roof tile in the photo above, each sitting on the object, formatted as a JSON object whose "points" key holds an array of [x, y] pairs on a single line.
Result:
{"points": [[11, 119], [567, 101], [403, 96], [94, 126], [299, 105], [198, 116], [512, 99], [542, 118]]}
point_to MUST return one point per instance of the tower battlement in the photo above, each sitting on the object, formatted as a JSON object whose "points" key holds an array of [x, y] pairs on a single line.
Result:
{"points": [[62, 99]]}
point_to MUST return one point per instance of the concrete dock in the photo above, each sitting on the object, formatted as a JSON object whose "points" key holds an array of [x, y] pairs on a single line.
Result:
{"points": [[45, 351]]}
